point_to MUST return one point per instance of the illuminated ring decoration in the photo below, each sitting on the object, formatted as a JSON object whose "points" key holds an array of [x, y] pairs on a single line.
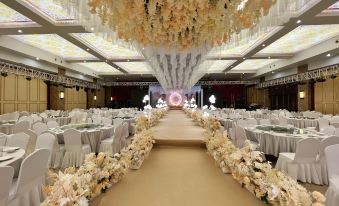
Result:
{"points": [[175, 99]]}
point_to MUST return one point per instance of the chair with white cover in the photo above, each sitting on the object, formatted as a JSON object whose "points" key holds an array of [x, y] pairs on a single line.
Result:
{"points": [[241, 137], [125, 131], [43, 115], [265, 121], [242, 123], [117, 121], [32, 141], [275, 121], [3, 139], [302, 165], [328, 130], [46, 141], [36, 118], [39, 128], [96, 120], [323, 122], [22, 126], [332, 193], [321, 157], [6, 176], [52, 124], [252, 122], [106, 121], [27, 118], [112, 145], [25, 189], [75, 151], [18, 140], [283, 121], [57, 153], [336, 133]]}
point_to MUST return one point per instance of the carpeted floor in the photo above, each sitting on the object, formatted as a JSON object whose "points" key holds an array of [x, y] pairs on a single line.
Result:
{"points": [[180, 176]]}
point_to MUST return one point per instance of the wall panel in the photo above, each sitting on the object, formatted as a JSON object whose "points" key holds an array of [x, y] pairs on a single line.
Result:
{"points": [[75, 99], [326, 96], [19, 94]]}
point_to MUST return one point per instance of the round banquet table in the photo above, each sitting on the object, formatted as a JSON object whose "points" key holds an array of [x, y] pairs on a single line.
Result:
{"points": [[273, 143], [15, 162], [92, 137], [60, 120], [302, 123], [7, 128]]}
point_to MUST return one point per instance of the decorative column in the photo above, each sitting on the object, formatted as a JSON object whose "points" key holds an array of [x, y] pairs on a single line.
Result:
{"points": [[304, 92], [57, 93]]}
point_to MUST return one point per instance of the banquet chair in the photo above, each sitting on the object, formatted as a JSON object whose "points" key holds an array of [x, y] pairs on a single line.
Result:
{"points": [[336, 133], [328, 130], [241, 137], [252, 122], [117, 121], [27, 118], [96, 120], [275, 121], [36, 118], [264, 121], [302, 165], [242, 123], [283, 121], [39, 128], [323, 122], [46, 141], [43, 115], [106, 121], [57, 153], [6, 177], [32, 141], [332, 193], [52, 124], [18, 140], [3, 139], [22, 126], [321, 157], [75, 151], [125, 130], [112, 145], [25, 189]]}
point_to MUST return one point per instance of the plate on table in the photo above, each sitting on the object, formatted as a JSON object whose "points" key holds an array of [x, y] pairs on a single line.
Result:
{"points": [[5, 158], [10, 149]]}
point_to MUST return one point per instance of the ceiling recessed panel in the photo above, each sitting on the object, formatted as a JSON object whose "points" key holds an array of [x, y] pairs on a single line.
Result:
{"points": [[55, 45], [217, 66], [302, 38], [254, 64], [100, 67], [242, 47], [334, 9], [106, 48], [50, 9], [8, 16], [136, 67]]}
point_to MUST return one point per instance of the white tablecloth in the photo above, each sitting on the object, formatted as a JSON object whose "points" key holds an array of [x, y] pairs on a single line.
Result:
{"points": [[60, 120], [273, 143], [302, 123], [92, 137], [15, 162]]}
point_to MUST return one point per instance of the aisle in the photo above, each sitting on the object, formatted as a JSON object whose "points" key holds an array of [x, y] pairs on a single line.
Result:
{"points": [[177, 176]]}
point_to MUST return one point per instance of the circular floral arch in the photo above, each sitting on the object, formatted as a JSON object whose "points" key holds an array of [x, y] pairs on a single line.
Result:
{"points": [[175, 99]]}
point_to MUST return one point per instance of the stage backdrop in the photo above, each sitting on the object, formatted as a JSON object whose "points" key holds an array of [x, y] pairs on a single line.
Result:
{"points": [[174, 97]]}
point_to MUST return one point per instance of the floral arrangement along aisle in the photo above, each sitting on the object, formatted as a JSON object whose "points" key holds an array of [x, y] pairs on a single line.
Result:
{"points": [[75, 187], [248, 168]]}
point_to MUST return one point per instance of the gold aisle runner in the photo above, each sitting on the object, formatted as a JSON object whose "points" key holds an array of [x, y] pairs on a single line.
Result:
{"points": [[177, 176]]}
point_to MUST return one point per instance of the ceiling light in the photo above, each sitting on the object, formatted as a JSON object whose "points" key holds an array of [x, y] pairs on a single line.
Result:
{"points": [[272, 72], [106, 60], [299, 21], [37, 58], [92, 28], [244, 58], [87, 49], [263, 45], [85, 61], [243, 73], [269, 57], [20, 31], [328, 55]]}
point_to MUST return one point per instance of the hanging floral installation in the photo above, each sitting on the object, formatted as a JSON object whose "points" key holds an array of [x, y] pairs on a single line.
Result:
{"points": [[76, 187], [179, 23], [248, 167]]}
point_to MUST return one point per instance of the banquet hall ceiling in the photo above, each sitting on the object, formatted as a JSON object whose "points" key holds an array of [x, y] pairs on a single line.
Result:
{"points": [[49, 28]]}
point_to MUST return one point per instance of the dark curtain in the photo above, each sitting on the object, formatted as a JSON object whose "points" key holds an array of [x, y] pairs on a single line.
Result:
{"points": [[127, 96], [284, 97], [226, 95]]}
